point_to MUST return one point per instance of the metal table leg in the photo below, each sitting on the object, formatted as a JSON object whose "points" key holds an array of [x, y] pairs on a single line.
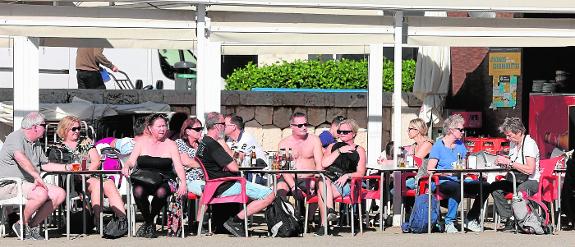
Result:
{"points": [[325, 204], [129, 210], [83, 205], [429, 202], [559, 202], [381, 223], [462, 212], [481, 199], [68, 177], [101, 214]]}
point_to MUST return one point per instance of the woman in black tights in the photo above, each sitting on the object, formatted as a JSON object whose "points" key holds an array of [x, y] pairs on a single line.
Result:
{"points": [[156, 154]]}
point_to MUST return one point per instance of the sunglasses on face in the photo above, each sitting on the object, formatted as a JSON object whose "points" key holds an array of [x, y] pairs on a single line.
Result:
{"points": [[74, 129], [410, 128], [299, 125], [344, 132], [43, 125], [158, 115], [196, 129], [460, 129], [340, 118]]}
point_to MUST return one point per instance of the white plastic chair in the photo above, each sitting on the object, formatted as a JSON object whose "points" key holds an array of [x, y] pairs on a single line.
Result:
{"points": [[18, 200]]}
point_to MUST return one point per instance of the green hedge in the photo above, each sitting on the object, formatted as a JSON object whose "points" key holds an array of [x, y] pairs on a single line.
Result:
{"points": [[333, 74]]}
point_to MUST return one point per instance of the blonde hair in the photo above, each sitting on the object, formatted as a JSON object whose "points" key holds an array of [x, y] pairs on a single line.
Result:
{"points": [[350, 122], [420, 125], [66, 124]]}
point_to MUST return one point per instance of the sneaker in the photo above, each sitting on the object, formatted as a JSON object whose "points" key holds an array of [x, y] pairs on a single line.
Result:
{"points": [[151, 231], [142, 230], [35, 233], [450, 228], [321, 231], [16, 228], [473, 226], [331, 214], [27, 232], [235, 228], [509, 225]]}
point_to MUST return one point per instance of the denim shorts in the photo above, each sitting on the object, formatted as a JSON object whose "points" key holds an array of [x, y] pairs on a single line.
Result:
{"points": [[345, 189], [196, 186], [254, 191]]}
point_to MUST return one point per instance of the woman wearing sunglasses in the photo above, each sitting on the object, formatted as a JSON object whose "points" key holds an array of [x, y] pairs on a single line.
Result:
{"points": [[445, 154], [342, 161], [69, 131], [190, 134]]}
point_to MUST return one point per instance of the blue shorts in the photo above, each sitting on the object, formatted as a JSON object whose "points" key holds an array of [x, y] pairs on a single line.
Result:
{"points": [[253, 191], [345, 189], [196, 186]]}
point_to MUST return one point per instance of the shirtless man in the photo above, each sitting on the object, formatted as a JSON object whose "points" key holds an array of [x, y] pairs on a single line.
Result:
{"points": [[306, 150]]}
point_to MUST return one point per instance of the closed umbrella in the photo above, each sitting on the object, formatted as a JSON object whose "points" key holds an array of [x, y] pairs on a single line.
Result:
{"points": [[432, 72]]}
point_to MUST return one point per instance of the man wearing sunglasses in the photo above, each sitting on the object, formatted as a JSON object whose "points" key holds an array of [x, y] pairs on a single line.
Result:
{"points": [[21, 157], [329, 136], [219, 164], [239, 140], [307, 153]]}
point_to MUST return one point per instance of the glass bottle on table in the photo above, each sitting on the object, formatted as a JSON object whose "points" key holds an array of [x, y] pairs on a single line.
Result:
{"points": [[282, 157], [276, 162], [253, 157], [291, 160]]}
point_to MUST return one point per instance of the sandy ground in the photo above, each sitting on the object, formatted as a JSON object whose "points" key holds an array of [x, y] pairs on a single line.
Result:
{"points": [[390, 237]]}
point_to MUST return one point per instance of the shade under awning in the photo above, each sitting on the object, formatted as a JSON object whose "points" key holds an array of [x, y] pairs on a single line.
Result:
{"points": [[498, 32]]}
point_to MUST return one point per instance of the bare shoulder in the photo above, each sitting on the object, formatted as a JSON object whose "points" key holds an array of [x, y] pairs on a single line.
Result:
{"points": [[285, 142], [170, 143], [314, 139]]}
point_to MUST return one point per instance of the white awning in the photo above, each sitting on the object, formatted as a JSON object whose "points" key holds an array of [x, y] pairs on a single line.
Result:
{"points": [[556, 6], [480, 32], [113, 27]]}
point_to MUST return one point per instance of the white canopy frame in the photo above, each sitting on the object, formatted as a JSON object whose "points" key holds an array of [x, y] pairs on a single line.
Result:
{"points": [[237, 30]]}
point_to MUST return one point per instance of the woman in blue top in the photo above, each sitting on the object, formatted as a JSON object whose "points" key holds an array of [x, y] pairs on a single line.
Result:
{"points": [[445, 154]]}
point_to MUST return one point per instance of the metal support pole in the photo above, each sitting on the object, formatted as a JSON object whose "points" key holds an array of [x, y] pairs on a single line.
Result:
{"points": [[396, 124]]}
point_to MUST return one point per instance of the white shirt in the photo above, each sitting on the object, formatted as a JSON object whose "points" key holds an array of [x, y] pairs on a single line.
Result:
{"points": [[530, 149], [246, 144]]}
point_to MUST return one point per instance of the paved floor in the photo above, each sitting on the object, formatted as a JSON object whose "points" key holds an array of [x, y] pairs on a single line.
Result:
{"points": [[391, 237]]}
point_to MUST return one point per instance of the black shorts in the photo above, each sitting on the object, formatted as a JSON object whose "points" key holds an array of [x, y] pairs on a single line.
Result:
{"points": [[302, 184]]}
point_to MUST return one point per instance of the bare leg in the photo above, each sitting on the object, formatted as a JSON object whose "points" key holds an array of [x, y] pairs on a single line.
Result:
{"points": [[56, 196], [257, 206], [332, 192], [115, 198], [94, 192], [37, 197]]}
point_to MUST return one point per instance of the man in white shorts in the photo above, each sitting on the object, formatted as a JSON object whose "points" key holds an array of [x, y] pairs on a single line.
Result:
{"points": [[20, 156]]}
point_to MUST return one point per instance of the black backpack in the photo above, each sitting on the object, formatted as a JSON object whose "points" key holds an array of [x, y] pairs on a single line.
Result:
{"points": [[116, 228], [281, 220]]}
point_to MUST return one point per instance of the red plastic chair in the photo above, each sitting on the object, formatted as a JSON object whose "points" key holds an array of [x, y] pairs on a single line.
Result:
{"points": [[406, 192], [548, 186], [372, 194], [354, 197], [308, 200], [192, 197], [209, 196], [548, 183]]}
